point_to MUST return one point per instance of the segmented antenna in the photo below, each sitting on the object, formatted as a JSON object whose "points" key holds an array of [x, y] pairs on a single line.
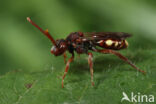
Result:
{"points": [[46, 33]]}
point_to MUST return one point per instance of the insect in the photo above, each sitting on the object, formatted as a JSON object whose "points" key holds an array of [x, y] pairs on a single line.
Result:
{"points": [[84, 43]]}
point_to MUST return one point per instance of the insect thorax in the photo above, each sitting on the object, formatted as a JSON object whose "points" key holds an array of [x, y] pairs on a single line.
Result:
{"points": [[75, 43]]}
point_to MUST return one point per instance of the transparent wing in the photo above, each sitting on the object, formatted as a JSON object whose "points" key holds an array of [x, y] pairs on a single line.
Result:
{"points": [[105, 35]]}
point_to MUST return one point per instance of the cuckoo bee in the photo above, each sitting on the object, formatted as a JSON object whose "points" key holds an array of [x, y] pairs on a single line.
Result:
{"points": [[85, 43]]}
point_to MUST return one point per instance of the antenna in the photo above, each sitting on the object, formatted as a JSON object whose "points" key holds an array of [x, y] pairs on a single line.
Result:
{"points": [[46, 33]]}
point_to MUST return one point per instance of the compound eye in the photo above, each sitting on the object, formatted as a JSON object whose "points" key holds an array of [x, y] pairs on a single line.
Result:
{"points": [[54, 50]]}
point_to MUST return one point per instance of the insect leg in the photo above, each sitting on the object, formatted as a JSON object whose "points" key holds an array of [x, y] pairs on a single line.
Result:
{"points": [[67, 67], [121, 57], [90, 62], [65, 56]]}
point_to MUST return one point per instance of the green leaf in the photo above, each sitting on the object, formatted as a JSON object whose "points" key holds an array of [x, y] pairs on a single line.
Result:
{"points": [[111, 77]]}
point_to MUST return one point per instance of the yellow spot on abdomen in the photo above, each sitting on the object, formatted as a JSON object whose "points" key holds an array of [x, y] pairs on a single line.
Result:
{"points": [[100, 41], [126, 43], [116, 43], [109, 42]]}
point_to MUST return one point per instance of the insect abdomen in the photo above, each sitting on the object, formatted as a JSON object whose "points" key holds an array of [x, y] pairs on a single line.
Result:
{"points": [[112, 44]]}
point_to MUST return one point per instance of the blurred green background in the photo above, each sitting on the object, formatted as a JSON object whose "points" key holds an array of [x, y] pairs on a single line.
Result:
{"points": [[25, 51]]}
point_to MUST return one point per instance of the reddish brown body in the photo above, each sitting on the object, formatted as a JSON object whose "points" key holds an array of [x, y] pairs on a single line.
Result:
{"points": [[83, 43]]}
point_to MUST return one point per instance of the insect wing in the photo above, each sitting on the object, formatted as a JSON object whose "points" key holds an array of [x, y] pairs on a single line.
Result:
{"points": [[105, 35]]}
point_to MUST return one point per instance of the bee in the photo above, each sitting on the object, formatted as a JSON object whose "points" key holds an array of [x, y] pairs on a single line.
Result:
{"points": [[85, 43]]}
